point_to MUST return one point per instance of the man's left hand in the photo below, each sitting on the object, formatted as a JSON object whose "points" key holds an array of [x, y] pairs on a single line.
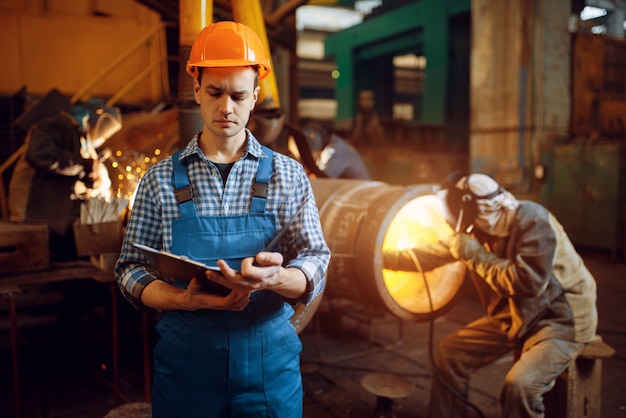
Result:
{"points": [[260, 272], [464, 246]]}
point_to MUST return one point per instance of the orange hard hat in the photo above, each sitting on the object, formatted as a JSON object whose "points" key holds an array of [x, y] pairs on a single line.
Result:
{"points": [[228, 44]]}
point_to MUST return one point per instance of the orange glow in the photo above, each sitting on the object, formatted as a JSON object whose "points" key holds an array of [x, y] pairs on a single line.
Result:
{"points": [[128, 167], [419, 223]]}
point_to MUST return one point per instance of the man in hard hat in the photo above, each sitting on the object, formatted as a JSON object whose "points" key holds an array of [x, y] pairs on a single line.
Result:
{"points": [[539, 296], [220, 200], [60, 168]]}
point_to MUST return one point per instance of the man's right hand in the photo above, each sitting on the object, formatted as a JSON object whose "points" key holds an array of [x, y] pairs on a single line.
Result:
{"points": [[464, 247], [234, 301]]}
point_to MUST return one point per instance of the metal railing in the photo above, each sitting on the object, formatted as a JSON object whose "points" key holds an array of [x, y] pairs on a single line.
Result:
{"points": [[158, 60]]}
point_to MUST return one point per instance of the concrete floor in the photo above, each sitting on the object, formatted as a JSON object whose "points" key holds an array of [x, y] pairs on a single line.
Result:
{"points": [[70, 378]]}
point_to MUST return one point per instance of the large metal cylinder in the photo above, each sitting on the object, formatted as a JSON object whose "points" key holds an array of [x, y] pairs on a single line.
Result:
{"points": [[361, 218]]}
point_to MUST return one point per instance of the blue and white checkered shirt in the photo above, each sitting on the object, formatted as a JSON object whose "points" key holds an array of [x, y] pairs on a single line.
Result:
{"points": [[155, 207]]}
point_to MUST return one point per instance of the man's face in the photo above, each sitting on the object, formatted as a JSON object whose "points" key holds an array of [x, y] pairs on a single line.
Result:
{"points": [[226, 98], [366, 101]]}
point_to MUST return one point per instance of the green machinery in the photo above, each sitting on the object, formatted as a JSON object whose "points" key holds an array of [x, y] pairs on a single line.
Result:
{"points": [[585, 189], [439, 32]]}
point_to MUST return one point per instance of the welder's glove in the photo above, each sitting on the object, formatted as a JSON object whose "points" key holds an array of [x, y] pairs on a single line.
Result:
{"points": [[467, 248], [476, 257]]}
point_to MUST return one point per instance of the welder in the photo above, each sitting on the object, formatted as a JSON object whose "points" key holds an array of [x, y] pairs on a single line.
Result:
{"points": [[333, 154], [60, 168], [539, 296]]}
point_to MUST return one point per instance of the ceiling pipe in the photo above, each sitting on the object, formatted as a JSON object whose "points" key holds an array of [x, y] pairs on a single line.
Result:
{"points": [[193, 16], [268, 118]]}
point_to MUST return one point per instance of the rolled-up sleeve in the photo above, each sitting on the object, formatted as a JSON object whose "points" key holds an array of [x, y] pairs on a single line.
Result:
{"points": [[306, 247]]}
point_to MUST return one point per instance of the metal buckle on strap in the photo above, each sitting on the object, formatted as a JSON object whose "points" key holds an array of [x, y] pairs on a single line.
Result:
{"points": [[259, 190], [184, 194]]}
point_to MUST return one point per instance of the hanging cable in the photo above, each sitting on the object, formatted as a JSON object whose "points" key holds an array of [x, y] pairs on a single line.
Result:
{"points": [[431, 335]]}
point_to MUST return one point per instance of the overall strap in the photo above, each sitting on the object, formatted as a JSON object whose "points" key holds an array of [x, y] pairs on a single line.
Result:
{"points": [[182, 189], [261, 182], [184, 193]]}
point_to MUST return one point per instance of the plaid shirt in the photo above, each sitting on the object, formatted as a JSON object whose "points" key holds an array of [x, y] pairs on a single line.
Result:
{"points": [[155, 207]]}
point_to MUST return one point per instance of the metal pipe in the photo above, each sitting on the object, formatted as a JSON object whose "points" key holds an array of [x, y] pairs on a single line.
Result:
{"points": [[361, 219], [194, 15], [250, 14]]}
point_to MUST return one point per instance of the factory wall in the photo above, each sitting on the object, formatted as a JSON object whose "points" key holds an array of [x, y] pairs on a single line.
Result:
{"points": [[520, 93], [64, 44]]}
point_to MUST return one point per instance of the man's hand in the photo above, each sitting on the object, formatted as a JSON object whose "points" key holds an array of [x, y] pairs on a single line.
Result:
{"points": [[234, 301], [467, 248], [164, 296], [262, 272], [464, 247]]}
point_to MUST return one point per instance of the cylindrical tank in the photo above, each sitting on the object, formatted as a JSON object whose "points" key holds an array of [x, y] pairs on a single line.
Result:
{"points": [[361, 218]]}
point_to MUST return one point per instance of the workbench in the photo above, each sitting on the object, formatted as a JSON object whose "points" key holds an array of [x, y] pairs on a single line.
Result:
{"points": [[12, 284]]}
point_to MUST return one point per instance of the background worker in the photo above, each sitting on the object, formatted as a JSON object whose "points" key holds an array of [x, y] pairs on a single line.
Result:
{"points": [[333, 154], [366, 127], [220, 200], [60, 168], [539, 296]]}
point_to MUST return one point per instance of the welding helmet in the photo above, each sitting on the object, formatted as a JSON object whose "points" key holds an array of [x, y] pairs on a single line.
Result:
{"points": [[316, 135], [97, 120], [228, 44], [81, 114], [459, 195], [450, 198]]}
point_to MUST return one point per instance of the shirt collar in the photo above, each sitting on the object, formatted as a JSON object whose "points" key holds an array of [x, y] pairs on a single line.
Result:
{"points": [[253, 147]]}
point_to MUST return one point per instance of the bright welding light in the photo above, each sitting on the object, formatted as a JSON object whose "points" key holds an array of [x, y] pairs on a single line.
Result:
{"points": [[419, 223]]}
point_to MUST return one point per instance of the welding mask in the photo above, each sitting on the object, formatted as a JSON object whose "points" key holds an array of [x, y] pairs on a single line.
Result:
{"points": [[97, 120], [476, 200], [458, 208], [316, 135], [108, 121], [81, 114]]}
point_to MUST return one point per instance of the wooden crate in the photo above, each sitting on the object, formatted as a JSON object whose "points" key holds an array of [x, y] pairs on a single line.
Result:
{"points": [[577, 392], [23, 247], [96, 239]]}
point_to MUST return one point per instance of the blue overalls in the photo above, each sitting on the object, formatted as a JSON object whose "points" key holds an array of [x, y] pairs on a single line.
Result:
{"points": [[213, 363]]}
